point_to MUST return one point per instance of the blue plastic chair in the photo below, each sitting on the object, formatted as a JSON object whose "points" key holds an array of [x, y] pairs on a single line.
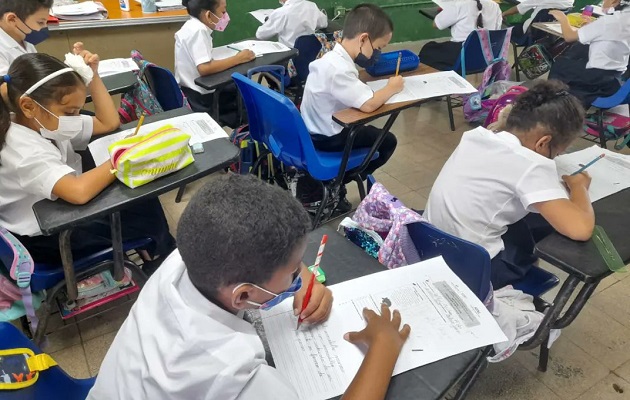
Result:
{"points": [[52, 384], [275, 121], [165, 87], [605, 103]]}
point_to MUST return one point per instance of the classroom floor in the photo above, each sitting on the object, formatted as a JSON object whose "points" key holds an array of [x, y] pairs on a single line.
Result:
{"points": [[590, 360]]}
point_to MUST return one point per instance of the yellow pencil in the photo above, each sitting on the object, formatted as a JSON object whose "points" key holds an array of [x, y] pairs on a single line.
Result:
{"points": [[398, 64], [140, 121]]}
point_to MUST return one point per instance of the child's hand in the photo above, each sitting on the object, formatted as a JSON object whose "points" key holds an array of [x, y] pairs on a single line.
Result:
{"points": [[582, 179], [558, 15], [90, 59], [396, 84], [78, 48], [244, 56], [320, 303], [384, 328]]}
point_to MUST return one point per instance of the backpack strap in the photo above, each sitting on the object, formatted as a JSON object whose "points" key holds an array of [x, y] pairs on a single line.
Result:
{"points": [[486, 46], [505, 47]]}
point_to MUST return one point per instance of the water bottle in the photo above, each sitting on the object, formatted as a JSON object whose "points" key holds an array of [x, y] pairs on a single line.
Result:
{"points": [[148, 6], [124, 5]]}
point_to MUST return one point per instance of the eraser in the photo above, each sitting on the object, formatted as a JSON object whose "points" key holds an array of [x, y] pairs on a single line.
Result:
{"points": [[319, 273], [197, 148]]}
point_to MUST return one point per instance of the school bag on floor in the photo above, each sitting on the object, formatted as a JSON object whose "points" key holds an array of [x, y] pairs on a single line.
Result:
{"points": [[379, 227], [499, 104], [616, 127], [477, 105], [537, 59]]}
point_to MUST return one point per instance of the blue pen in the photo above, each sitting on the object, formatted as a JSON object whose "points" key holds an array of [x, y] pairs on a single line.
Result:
{"points": [[579, 171]]}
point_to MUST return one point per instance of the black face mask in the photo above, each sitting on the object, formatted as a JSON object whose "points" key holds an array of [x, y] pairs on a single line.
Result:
{"points": [[36, 37], [364, 62]]}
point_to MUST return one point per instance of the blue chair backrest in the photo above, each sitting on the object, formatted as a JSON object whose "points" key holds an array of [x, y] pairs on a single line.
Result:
{"points": [[469, 261], [473, 53], [308, 47], [274, 121], [53, 384], [165, 87]]}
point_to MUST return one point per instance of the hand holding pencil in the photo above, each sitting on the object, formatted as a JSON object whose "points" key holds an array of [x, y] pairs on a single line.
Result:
{"points": [[313, 304]]}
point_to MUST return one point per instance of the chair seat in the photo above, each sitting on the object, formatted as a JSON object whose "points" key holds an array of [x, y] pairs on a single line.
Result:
{"points": [[621, 97], [537, 282], [46, 276], [330, 161]]}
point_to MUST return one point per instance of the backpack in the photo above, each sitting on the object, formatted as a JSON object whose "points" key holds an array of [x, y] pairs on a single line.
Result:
{"points": [[141, 99], [379, 227], [499, 104], [615, 127], [477, 105]]}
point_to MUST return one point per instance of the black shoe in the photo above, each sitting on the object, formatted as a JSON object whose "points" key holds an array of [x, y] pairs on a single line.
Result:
{"points": [[308, 190], [343, 207]]}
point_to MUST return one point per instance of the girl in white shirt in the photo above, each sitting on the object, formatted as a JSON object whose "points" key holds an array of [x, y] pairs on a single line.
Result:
{"points": [[522, 34], [294, 19], [463, 17], [38, 159], [491, 183], [193, 54], [593, 67]]}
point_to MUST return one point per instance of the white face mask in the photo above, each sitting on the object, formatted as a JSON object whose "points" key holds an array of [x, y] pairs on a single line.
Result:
{"points": [[68, 128]]}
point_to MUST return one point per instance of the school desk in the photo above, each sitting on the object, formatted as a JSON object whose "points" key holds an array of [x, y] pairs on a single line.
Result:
{"points": [[60, 216], [343, 261], [430, 13], [117, 83], [546, 27], [222, 79], [583, 263]]}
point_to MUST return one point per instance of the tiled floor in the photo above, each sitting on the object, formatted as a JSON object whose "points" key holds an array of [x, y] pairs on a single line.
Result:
{"points": [[591, 360]]}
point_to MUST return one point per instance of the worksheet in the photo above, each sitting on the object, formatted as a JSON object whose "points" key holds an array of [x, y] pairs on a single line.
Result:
{"points": [[261, 15], [609, 175], [446, 318], [200, 126], [259, 47], [115, 66], [223, 52], [425, 86], [553, 26]]}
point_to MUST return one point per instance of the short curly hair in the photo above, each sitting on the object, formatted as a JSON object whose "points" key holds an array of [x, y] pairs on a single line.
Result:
{"points": [[239, 229]]}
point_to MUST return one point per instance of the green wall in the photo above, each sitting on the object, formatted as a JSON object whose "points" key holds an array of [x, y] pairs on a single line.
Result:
{"points": [[409, 25]]}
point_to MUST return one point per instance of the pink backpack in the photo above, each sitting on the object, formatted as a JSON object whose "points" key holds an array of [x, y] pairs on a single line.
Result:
{"points": [[499, 104], [379, 227], [477, 105]]}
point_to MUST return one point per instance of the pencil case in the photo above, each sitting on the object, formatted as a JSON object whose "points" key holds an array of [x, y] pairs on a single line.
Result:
{"points": [[387, 63], [138, 160]]}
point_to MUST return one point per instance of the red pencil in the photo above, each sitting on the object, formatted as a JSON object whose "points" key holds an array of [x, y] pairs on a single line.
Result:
{"points": [[307, 298]]}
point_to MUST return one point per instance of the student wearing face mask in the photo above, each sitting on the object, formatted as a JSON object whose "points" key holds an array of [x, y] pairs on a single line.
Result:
{"points": [[501, 190], [193, 54], [38, 159], [333, 84], [185, 337]]}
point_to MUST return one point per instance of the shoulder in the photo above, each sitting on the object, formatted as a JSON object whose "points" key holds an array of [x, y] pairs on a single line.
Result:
{"points": [[20, 138]]}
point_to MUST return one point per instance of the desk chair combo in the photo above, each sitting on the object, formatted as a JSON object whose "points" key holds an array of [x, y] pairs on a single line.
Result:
{"points": [[275, 121]]}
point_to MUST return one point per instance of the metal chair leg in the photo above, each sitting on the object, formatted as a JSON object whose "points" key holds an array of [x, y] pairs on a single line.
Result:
{"points": [[516, 69], [543, 358], [600, 128], [449, 103], [322, 206], [180, 193], [361, 186]]}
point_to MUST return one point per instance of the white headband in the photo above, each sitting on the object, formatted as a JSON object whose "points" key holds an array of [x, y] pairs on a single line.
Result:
{"points": [[75, 63], [46, 79]]}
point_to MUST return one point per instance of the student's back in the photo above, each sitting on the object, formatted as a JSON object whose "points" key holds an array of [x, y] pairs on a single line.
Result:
{"points": [[462, 17], [294, 19]]}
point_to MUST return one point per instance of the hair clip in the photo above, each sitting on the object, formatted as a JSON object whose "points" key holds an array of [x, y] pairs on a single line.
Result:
{"points": [[562, 93], [6, 78]]}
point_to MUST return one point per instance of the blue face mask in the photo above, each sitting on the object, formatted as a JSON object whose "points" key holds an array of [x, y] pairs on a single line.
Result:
{"points": [[278, 298], [36, 37]]}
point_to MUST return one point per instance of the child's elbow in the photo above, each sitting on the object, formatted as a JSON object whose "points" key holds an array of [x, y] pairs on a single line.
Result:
{"points": [[112, 125], [368, 107], [581, 231]]}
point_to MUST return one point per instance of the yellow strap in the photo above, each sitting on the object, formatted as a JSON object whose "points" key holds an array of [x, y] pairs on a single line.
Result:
{"points": [[40, 362]]}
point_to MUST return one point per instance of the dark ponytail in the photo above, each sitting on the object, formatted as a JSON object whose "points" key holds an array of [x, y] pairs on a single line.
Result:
{"points": [[24, 72], [196, 7], [548, 104], [480, 16]]}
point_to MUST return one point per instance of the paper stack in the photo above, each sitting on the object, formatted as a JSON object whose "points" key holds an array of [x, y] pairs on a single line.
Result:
{"points": [[88, 10], [169, 5], [116, 66]]}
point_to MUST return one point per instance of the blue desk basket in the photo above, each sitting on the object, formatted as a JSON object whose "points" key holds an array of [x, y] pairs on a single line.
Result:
{"points": [[386, 65]]}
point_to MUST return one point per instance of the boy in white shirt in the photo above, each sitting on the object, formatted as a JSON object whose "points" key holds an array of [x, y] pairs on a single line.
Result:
{"points": [[294, 19], [333, 84], [521, 33], [463, 17], [492, 182], [241, 243], [593, 67]]}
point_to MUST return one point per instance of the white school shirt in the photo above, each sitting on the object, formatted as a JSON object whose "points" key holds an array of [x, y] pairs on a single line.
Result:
{"points": [[294, 19], [489, 182], [175, 344], [10, 50], [30, 166], [461, 17], [332, 85], [193, 47], [608, 38], [538, 5]]}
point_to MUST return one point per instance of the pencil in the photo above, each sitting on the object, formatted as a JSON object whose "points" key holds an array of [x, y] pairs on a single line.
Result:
{"points": [[307, 298], [320, 252], [579, 171], [398, 63], [140, 121]]}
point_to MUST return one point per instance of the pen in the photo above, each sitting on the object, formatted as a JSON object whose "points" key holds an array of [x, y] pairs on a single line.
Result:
{"points": [[140, 121], [233, 48], [309, 289], [398, 64], [579, 171]]}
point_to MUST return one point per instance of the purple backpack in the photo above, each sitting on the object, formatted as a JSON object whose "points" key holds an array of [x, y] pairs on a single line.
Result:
{"points": [[477, 105], [379, 227], [506, 99]]}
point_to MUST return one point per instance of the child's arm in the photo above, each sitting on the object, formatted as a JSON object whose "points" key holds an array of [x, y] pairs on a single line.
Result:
{"points": [[394, 85], [569, 33], [384, 341], [106, 119], [574, 217], [322, 20], [215, 66], [83, 188], [510, 11], [271, 27]]}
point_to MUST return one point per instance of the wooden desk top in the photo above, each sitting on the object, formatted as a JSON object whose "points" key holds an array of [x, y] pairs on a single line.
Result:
{"points": [[353, 116], [117, 17], [545, 27]]}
